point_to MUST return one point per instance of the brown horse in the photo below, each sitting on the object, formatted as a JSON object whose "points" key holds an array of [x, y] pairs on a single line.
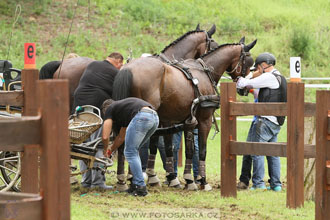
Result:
{"points": [[71, 69], [172, 94], [191, 45]]}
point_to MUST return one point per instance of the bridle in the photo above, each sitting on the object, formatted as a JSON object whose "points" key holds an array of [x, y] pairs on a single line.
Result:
{"points": [[240, 67], [208, 42]]}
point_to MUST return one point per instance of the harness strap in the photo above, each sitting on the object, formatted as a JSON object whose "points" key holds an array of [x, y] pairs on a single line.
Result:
{"points": [[187, 73], [207, 101], [208, 71], [164, 58]]}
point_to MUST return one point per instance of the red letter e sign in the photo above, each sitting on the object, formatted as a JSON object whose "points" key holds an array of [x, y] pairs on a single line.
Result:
{"points": [[29, 56]]}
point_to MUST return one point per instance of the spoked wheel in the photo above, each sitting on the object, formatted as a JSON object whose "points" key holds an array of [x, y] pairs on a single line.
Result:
{"points": [[10, 166]]}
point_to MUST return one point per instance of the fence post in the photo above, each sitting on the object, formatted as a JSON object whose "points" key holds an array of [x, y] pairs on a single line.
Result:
{"points": [[322, 182], [295, 145], [55, 152], [228, 132], [29, 168]]}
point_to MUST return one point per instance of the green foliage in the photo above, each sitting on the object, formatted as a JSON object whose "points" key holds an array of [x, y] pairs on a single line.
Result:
{"points": [[301, 42], [147, 11], [284, 28]]}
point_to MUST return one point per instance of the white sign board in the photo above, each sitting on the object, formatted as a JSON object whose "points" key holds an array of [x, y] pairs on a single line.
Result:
{"points": [[295, 67]]}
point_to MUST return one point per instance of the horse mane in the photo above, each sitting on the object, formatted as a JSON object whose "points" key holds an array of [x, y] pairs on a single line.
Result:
{"points": [[179, 39], [220, 46]]}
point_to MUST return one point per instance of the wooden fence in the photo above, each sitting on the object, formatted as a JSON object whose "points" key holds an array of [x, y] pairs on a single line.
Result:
{"points": [[43, 130], [295, 109]]}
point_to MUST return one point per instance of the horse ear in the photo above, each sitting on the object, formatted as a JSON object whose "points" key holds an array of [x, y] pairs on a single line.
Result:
{"points": [[197, 28], [248, 47], [242, 40], [211, 31]]}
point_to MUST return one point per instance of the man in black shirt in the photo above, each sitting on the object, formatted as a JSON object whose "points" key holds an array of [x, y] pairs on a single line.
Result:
{"points": [[134, 120], [95, 86]]}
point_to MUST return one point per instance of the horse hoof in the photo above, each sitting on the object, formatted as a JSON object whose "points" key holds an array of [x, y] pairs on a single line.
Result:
{"points": [[153, 180], [206, 187], [191, 187], [121, 187], [155, 184], [175, 183], [129, 178]]}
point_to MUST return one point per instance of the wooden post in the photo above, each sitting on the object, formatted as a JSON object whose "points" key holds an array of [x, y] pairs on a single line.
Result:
{"points": [[228, 132], [29, 170], [55, 160], [322, 189], [295, 145]]}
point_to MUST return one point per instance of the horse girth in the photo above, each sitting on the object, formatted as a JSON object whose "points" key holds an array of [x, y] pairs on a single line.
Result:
{"points": [[203, 101]]}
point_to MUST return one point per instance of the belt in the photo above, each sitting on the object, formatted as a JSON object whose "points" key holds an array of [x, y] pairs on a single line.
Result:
{"points": [[147, 109]]}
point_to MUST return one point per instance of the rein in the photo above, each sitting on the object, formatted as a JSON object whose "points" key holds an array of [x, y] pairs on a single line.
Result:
{"points": [[67, 39]]}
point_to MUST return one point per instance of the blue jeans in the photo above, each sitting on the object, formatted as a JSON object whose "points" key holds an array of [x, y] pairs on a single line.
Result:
{"points": [[176, 147], [138, 132], [266, 131], [247, 159]]}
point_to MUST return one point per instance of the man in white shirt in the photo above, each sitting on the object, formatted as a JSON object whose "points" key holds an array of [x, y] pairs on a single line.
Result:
{"points": [[272, 87]]}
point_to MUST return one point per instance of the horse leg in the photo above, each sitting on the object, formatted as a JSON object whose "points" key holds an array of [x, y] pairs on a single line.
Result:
{"points": [[121, 183], [153, 180], [203, 131], [189, 141], [172, 180]]}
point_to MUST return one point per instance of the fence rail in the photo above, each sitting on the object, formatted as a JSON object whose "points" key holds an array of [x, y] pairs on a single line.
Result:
{"points": [[295, 150]]}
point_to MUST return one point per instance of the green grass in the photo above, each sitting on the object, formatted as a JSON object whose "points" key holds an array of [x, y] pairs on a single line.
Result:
{"points": [[247, 205], [285, 28]]}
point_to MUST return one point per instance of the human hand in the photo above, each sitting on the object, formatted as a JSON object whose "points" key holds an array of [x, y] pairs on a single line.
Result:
{"points": [[108, 152], [249, 76], [256, 73], [240, 83]]}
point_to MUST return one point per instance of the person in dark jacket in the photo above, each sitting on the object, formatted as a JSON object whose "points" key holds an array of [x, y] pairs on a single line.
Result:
{"points": [[95, 86]]}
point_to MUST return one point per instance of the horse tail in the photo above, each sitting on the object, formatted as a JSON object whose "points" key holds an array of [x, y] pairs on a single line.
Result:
{"points": [[122, 84], [47, 71]]}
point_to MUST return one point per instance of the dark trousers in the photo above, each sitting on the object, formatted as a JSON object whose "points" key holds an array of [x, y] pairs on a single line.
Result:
{"points": [[247, 159]]}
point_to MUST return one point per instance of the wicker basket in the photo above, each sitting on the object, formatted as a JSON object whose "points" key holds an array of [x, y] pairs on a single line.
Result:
{"points": [[81, 126]]}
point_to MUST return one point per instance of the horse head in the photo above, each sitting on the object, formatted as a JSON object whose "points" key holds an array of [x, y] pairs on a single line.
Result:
{"points": [[241, 65], [209, 42], [191, 45], [212, 44]]}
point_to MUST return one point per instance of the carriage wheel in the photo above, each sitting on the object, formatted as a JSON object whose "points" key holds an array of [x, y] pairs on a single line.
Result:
{"points": [[10, 166]]}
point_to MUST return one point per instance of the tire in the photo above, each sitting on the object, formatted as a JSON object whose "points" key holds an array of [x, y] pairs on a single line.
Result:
{"points": [[10, 167]]}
